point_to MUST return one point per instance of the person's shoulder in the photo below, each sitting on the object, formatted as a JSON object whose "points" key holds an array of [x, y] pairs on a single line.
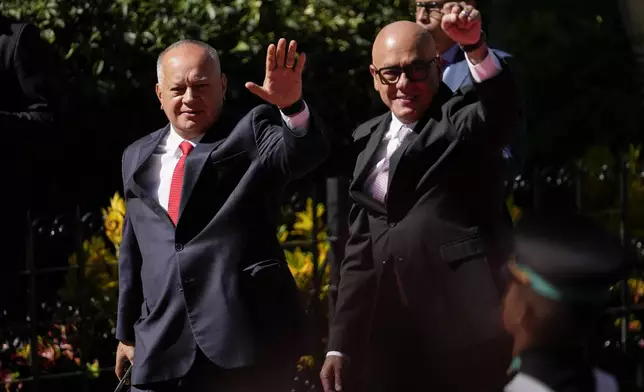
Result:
{"points": [[144, 140], [526, 383], [367, 127], [605, 381], [500, 53]]}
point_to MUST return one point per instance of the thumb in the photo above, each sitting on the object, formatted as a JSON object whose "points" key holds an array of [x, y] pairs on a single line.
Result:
{"points": [[338, 377], [257, 90]]}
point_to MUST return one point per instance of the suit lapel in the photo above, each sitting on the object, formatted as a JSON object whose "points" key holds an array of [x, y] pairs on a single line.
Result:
{"points": [[424, 134], [372, 146], [134, 182], [198, 157], [194, 166]]}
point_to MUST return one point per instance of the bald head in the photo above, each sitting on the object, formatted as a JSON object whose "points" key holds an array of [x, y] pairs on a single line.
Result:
{"points": [[402, 36], [404, 69]]}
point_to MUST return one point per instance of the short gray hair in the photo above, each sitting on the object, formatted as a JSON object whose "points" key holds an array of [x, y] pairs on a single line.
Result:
{"points": [[212, 52]]}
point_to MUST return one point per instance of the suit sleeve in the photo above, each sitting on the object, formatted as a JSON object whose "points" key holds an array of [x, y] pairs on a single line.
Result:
{"points": [[290, 153], [130, 289], [357, 289], [490, 110], [32, 63]]}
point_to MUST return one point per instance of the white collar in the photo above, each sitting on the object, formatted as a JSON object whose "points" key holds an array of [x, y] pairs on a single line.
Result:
{"points": [[174, 140]]}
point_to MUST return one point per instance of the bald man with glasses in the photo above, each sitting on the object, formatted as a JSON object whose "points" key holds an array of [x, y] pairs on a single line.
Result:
{"points": [[419, 293]]}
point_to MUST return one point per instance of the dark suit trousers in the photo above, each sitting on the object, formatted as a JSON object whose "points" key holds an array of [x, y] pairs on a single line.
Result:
{"points": [[400, 360], [206, 376]]}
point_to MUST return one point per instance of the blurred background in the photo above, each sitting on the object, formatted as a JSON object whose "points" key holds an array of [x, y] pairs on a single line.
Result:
{"points": [[580, 64]]}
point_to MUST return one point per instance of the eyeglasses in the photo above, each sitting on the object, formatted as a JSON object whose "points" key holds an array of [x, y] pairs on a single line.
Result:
{"points": [[416, 72], [433, 8]]}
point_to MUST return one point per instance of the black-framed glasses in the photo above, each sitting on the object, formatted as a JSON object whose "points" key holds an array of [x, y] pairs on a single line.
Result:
{"points": [[433, 8], [417, 71]]}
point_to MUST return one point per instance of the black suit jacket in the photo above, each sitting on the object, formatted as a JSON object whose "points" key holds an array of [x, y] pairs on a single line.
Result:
{"points": [[207, 282], [442, 227]]}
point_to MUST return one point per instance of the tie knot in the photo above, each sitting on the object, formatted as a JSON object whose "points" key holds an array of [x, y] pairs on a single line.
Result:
{"points": [[185, 147], [403, 132]]}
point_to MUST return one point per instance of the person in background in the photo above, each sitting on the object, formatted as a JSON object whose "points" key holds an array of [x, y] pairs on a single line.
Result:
{"points": [[559, 280], [28, 115]]}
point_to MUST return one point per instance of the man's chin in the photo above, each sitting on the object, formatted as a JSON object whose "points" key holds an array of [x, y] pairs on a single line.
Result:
{"points": [[407, 114]]}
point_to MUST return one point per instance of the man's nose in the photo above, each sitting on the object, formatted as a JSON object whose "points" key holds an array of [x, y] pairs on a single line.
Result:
{"points": [[189, 95], [403, 81]]}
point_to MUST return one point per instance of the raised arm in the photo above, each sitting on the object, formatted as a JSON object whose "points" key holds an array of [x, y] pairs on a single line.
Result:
{"points": [[492, 108], [294, 144]]}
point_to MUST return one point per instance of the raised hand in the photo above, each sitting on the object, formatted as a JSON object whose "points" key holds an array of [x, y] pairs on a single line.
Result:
{"points": [[282, 85], [461, 22]]}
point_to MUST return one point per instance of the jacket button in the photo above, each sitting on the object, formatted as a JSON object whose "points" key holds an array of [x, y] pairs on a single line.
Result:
{"points": [[392, 224], [180, 287], [178, 247], [384, 262]]}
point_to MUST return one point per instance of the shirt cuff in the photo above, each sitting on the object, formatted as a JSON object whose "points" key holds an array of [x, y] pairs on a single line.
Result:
{"points": [[486, 69], [335, 354], [299, 122]]}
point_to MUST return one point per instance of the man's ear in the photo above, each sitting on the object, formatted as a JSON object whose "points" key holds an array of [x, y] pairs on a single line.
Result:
{"points": [[372, 71], [159, 93], [224, 85]]}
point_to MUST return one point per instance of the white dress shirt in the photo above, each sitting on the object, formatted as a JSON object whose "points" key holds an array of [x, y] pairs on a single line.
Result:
{"points": [[157, 176], [486, 69]]}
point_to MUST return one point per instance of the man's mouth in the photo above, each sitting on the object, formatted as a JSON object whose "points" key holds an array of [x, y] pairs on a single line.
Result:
{"points": [[406, 98]]}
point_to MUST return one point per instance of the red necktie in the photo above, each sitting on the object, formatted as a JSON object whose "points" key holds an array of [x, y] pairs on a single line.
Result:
{"points": [[177, 182]]}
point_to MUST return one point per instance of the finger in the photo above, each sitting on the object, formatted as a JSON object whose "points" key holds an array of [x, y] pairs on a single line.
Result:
{"points": [[280, 55], [118, 369], [466, 10], [290, 55], [448, 21], [326, 382], [338, 378], [301, 61], [447, 7], [455, 10], [257, 90], [475, 15], [270, 58]]}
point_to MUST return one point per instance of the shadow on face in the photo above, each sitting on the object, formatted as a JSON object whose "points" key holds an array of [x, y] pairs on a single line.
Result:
{"points": [[191, 89], [405, 69]]}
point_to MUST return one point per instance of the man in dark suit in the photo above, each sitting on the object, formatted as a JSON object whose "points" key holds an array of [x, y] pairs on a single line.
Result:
{"points": [[419, 290], [26, 112], [205, 295]]}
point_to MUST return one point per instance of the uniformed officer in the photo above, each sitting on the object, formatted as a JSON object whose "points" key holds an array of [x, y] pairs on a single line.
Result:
{"points": [[559, 280]]}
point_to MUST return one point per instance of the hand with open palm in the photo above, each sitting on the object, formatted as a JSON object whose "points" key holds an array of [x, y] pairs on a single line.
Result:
{"points": [[282, 85]]}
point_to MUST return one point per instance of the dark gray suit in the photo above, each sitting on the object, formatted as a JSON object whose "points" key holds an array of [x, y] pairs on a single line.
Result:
{"points": [[420, 285], [198, 286]]}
